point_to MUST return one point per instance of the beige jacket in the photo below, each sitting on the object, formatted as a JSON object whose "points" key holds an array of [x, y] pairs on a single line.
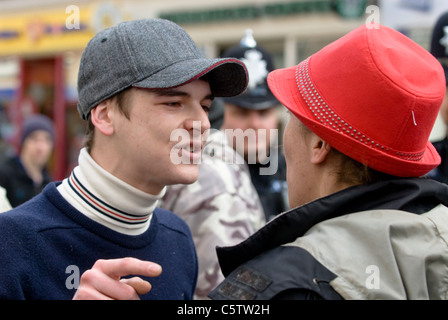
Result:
{"points": [[386, 240], [384, 254]]}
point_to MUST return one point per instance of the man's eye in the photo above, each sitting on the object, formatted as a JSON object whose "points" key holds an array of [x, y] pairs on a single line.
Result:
{"points": [[173, 104], [206, 108]]}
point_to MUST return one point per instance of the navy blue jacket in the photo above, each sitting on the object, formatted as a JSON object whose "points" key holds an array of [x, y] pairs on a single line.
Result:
{"points": [[45, 241]]}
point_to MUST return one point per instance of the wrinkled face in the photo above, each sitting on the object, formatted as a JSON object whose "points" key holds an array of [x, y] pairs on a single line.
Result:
{"points": [[37, 148], [256, 125], [162, 140]]}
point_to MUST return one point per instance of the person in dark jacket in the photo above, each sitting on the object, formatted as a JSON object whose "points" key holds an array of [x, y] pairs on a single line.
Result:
{"points": [[25, 175], [365, 224]]}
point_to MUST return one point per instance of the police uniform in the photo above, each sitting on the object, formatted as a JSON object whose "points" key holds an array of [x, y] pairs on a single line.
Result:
{"points": [[271, 188]]}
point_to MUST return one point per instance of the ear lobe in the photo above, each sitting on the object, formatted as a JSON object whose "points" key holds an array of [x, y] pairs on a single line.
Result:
{"points": [[319, 152], [102, 116]]}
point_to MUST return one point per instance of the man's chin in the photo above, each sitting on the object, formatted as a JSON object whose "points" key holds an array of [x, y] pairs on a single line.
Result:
{"points": [[186, 174]]}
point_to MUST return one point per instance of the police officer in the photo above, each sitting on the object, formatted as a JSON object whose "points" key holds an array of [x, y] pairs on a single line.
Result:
{"points": [[255, 113]]}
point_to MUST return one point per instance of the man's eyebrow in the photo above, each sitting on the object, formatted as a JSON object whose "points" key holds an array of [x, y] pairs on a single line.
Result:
{"points": [[210, 96], [178, 93], [170, 93]]}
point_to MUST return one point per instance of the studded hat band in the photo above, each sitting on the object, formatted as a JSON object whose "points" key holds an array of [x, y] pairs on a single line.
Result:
{"points": [[324, 114]]}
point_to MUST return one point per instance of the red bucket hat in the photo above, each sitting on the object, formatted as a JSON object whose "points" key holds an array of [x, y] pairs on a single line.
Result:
{"points": [[373, 94]]}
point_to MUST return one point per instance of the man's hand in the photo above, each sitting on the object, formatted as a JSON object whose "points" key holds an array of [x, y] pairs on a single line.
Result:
{"points": [[103, 281]]}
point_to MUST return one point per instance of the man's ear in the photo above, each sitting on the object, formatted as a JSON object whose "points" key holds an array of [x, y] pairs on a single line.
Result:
{"points": [[102, 116], [320, 150]]}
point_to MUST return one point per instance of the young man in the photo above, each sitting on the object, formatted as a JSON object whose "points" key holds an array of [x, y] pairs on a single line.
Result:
{"points": [[138, 81], [365, 225], [25, 175]]}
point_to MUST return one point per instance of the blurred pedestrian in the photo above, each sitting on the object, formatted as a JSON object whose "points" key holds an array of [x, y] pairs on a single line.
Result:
{"points": [[138, 82], [25, 175], [439, 49], [365, 224], [253, 123], [4, 202]]}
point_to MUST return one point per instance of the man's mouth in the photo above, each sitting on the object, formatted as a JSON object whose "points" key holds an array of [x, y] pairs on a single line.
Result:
{"points": [[193, 148], [191, 153]]}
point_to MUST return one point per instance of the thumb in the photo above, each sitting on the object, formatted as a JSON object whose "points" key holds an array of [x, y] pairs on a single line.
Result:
{"points": [[140, 286]]}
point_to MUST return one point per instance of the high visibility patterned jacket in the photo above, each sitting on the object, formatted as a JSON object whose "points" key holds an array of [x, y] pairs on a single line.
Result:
{"points": [[222, 207], [386, 240]]}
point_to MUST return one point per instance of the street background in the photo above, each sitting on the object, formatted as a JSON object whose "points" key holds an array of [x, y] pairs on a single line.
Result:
{"points": [[41, 43]]}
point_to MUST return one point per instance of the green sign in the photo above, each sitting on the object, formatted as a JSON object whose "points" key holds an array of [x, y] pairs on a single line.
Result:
{"points": [[249, 11], [351, 8]]}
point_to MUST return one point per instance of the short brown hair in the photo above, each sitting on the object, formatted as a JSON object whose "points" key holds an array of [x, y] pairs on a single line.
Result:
{"points": [[350, 171], [122, 100], [353, 172]]}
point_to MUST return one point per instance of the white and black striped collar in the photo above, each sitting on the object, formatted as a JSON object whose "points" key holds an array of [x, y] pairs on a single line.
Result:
{"points": [[107, 199]]}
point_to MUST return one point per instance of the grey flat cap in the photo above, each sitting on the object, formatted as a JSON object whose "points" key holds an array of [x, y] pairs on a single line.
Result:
{"points": [[152, 54]]}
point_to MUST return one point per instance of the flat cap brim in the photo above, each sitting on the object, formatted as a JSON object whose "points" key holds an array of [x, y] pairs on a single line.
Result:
{"points": [[227, 77]]}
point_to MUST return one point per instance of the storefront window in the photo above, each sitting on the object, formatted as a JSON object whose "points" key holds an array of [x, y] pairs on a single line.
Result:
{"points": [[9, 79]]}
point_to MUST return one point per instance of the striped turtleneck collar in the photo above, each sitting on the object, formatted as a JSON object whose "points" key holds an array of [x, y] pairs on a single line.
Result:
{"points": [[107, 199]]}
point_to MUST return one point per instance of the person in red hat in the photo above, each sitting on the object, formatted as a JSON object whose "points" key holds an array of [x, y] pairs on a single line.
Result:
{"points": [[365, 224]]}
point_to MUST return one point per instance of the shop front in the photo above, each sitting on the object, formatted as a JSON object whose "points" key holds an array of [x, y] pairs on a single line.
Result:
{"points": [[39, 58]]}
